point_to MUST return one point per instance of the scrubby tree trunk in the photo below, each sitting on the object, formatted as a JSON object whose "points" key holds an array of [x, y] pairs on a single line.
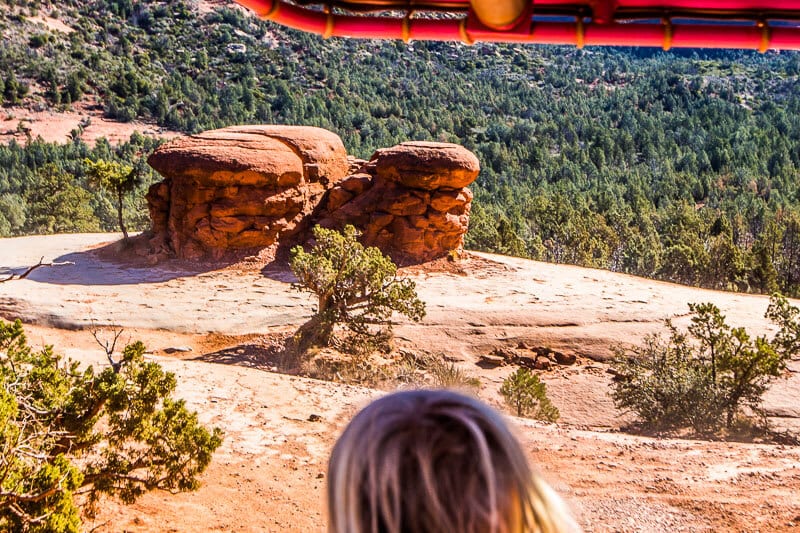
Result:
{"points": [[119, 213]]}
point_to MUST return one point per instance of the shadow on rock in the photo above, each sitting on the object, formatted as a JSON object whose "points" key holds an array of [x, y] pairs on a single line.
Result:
{"points": [[278, 268]]}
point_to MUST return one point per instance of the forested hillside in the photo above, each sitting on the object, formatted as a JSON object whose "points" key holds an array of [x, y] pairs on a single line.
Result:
{"points": [[679, 166]]}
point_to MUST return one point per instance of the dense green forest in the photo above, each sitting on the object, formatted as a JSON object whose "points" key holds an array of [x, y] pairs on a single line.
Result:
{"points": [[681, 166]]}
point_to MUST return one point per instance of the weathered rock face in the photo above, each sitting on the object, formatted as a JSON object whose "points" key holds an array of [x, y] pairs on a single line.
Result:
{"points": [[410, 200], [242, 187], [249, 187]]}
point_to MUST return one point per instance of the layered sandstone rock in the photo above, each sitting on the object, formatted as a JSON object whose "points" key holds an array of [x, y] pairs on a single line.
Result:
{"points": [[251, 187], [410, 200], [237, 188]]}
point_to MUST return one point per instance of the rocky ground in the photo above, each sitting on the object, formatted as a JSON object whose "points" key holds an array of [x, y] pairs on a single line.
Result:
{"points": [[269, 473]]}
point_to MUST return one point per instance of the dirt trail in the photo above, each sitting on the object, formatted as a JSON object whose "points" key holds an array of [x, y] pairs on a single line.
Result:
{"points": [[269, 474]]}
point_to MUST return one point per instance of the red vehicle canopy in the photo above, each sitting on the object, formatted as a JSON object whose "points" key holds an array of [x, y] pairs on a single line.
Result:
{"points": [[760, 25]]}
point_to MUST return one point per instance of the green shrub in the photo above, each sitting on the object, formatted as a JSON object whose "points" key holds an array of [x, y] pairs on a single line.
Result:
{"points": [[702, 378], [64, 430], [527, 396], [355, 286]]}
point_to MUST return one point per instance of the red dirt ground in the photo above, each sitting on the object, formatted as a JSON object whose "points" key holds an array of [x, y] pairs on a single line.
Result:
{"points": [[269, 474]]}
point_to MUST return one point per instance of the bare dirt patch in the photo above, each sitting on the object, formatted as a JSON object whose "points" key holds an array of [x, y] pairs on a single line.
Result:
{"points": [[20, 124], [51, 23]]}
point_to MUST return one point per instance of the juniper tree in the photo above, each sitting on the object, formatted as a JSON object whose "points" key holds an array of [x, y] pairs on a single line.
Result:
{"points": [[66, 429], [117, 178], [703, 377], [527, 396], [356, 286]]}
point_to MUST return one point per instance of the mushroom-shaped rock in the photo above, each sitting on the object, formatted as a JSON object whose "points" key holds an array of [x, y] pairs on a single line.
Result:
{"points": [[414, 204], [247, 187], [241, 187], [427, 165]]}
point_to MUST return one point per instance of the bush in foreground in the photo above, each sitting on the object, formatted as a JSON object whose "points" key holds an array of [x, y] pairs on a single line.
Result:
{"points": [[66, 430], [527, 396], [704, 377]]}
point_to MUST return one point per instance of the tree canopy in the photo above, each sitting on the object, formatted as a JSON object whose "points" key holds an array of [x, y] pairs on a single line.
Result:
{"points": [[115, 177], [355, 285], [116, 432]]}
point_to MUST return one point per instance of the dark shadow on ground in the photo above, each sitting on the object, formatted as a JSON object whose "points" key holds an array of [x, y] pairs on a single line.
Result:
{"points": [[278, 269], [755, 434], [271, 356], [115, 264]]}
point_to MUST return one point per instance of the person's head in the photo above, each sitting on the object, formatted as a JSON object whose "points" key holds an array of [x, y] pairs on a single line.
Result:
{"points": [[429, 461]]}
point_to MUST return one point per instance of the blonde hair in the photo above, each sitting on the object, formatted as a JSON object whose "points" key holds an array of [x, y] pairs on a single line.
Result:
{"points": [[436, 461]]}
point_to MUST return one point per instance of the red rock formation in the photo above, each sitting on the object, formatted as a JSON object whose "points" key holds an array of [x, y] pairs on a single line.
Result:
{"points": [[250, 187], [427, 165], [411, 200], [242, 187]]}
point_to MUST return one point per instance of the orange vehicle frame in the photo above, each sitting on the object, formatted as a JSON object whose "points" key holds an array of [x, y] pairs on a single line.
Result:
{"points": [[766, 25]]}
